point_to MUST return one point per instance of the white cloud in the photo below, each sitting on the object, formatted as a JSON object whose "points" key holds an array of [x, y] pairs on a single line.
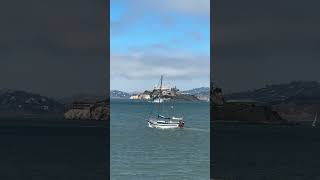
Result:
{"points": [[142, 65]]}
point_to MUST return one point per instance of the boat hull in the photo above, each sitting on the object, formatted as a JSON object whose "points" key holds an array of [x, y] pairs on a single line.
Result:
{"points": [[165, 124]]}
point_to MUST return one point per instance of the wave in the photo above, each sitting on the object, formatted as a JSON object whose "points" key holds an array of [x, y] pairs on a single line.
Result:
{"points": [[197, 129]]}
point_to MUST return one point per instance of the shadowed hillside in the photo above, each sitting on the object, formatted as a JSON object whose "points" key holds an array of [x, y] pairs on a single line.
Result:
{"points": [[297, 100], [25, 102], [300, 92]]}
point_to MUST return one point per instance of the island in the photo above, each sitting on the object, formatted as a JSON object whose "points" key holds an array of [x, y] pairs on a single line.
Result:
{"points": [[26, 105], [296, 102], [244, 112]]}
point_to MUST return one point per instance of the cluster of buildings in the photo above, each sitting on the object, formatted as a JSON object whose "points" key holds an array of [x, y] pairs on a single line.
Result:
{"points": [[164, 90]]}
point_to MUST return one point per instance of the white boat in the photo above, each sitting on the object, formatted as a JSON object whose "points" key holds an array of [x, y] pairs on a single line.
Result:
{"points": [[161, 121], [315, 120], [165, 124], [158, 100]]}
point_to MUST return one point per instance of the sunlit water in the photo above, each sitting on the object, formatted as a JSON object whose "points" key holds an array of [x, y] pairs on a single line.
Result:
{"points": [[139, 152]]}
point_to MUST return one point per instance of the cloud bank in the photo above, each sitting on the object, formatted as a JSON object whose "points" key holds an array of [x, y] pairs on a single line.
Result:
{"points": [[153, 38]]}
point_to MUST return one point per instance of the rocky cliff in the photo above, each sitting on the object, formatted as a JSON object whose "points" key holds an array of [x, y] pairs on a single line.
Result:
{"points": [[172, 94], [14, 103], [298, 92], [242, 111], [88, 110], [294, 101]]}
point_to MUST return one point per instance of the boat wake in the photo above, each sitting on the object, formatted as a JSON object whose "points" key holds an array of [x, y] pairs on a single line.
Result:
{"points": [[197, 129]]}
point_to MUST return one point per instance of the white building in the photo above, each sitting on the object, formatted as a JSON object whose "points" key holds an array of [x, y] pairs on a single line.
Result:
{"points": [[134, 97], [145, 96]]}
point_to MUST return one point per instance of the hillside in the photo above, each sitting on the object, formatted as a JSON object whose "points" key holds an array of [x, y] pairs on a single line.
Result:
{"points": [[116, 94], [198, 91], [82, 98], [21, 101], [202, 93], [300, 92], [298, 100]]}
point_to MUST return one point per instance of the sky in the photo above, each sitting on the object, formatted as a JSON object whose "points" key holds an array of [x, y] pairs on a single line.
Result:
{"points": [[150, 38], [54, 48], [264, 42]]}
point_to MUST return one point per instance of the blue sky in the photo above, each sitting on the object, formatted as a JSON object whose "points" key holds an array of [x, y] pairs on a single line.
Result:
{"points": [[154, 37]]}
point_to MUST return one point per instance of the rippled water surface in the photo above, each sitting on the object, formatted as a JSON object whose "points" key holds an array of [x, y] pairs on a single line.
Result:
{"points": [[140, 152], [253, 152]]}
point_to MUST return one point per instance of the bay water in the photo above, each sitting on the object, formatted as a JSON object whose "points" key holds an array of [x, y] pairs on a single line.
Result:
{"points": [[139, 152]]}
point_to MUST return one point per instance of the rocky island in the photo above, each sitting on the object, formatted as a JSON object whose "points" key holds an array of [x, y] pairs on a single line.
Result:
{"points": [[245, 112], [22, 105], [166, 93], [88, 110], [294, 102], [16, 103], [196, 94], [170, 94]]}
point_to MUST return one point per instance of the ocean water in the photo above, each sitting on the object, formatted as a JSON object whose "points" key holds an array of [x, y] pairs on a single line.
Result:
{"points": [[250, 152], [139, 152], [52, 149]]}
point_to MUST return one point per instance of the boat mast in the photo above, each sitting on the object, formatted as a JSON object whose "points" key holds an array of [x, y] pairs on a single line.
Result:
{"points": [[159, 97], [161, 84], [315, 120]]}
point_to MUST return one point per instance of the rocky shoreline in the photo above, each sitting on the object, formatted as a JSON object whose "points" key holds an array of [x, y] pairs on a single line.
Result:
{"points": [[90, 111], [196, 94], [296, 102], [243, 112], [169, 93], [24, 105]]}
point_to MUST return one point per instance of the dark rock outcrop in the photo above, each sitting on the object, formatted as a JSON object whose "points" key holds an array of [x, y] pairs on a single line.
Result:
{"points": [[297, 112], [299, 92], [169, 94], [88, 110], [217, 97], [242, 111], [294, 101]]}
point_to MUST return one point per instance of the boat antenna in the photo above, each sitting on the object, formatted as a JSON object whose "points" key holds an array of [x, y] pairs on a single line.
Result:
{"points": [[161, 82], [159, 97], [315, 120], [160, 87]]}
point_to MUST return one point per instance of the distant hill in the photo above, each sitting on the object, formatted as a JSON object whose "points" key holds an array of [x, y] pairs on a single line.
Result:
{"points": [[115, 94], [202, 93], [297, 100], [199, 91], [305, 92], [15, 100], [90, 98]]}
